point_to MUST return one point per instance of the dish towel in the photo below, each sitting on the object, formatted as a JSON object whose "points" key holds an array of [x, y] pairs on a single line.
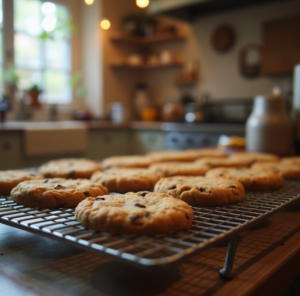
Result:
{"points": [[50, 138]]}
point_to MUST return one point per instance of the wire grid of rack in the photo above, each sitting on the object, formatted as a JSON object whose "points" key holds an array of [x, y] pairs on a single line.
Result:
{"points": [[211, 225]]}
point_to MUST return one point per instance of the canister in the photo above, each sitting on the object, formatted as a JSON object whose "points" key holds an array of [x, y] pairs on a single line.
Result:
{"points": [[269, 128]]}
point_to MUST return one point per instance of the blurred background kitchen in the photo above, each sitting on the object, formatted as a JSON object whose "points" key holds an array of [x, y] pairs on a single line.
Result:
{"points": [[97, 78]]}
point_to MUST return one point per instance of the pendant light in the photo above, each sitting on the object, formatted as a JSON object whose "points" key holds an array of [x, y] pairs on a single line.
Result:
{"points": [[89, 2], [105, 23], [142, 3]]}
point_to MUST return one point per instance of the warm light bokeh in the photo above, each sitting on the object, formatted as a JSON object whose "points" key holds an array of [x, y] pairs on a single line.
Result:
{"points": [[89, 2], [142, 3], [105, 24]]}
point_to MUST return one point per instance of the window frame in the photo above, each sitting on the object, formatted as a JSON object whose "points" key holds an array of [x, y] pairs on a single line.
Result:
{"points": [[8, 40]]}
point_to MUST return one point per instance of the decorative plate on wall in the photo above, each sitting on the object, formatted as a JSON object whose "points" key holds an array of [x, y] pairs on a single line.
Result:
{"points": [[223, 38]]}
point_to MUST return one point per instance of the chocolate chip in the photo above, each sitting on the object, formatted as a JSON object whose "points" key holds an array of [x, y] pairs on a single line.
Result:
{"points": [[32, 175], [100, 198], [220, 175], [187, 216], [86, 193], [172, 187], [232, 186], [147, 215], [103, 183], [71, 173], [142, 194], [46, 181], [139, 205], [134, 217], [202, 189], [58, 186]]}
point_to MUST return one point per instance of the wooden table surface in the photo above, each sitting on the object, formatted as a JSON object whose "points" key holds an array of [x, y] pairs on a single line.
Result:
{"points": [[266, 262]]}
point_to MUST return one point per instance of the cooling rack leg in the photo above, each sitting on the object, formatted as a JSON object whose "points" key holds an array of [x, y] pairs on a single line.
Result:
{"points": [[226, 272]]}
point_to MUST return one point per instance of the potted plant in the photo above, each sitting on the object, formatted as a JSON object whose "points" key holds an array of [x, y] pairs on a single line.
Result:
{"points": [[11, 79], [33, 93]]}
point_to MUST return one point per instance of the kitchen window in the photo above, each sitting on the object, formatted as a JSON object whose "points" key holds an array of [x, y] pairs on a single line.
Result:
{"points": [[42, 48]]}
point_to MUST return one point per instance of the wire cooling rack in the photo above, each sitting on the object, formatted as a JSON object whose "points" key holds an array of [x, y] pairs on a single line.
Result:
{"points": [[211, 225]]}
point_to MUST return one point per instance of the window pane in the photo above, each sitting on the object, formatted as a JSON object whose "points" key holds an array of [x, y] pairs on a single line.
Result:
{"points": [[63, 23], [27, 17], [28, 78], [58, 55], [27, 51], [57, 89], [42, 48]]}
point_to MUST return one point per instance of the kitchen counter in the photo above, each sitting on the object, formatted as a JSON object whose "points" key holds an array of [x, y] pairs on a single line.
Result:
{"points": [[140, 125], [103, 139], [267, 261]]}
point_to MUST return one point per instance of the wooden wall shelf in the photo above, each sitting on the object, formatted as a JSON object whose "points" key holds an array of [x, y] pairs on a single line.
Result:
{"points": [[146, 41]]}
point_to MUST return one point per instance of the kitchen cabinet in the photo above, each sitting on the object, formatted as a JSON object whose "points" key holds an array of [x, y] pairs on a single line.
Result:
{"points": [[281, 46], [105, 143], [145, 141], [10, 150]]}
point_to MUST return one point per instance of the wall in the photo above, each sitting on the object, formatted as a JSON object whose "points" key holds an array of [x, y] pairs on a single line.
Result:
{"points": [[219, 73], [104, 84], [118, 83], [92, 57]]}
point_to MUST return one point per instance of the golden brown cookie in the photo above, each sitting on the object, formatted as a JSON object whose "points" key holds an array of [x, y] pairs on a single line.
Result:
{"points": [[169, 169], [255, 157], [125, 180], [70, 168], [142, 213], [213, 162], [55, 193], [286, 170], [291, 160], [162, 156], [202, 190], [199, 153], [127, 162], [252, 179], [10, 179]]}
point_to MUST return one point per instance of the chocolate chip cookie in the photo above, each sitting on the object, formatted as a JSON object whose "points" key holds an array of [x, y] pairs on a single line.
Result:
{"points": [[55, 193], [199, 153], [142, 213], [127, 162], [162, 156], [70, 168], [125, 180], [10, 179], [255, 157], [252, 179], [202, 190], [213, 162], [170, 169], [291, 160], [286, 170]]}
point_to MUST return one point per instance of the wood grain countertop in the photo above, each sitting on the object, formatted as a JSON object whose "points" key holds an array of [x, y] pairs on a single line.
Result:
{"points": [[267, 261]]}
